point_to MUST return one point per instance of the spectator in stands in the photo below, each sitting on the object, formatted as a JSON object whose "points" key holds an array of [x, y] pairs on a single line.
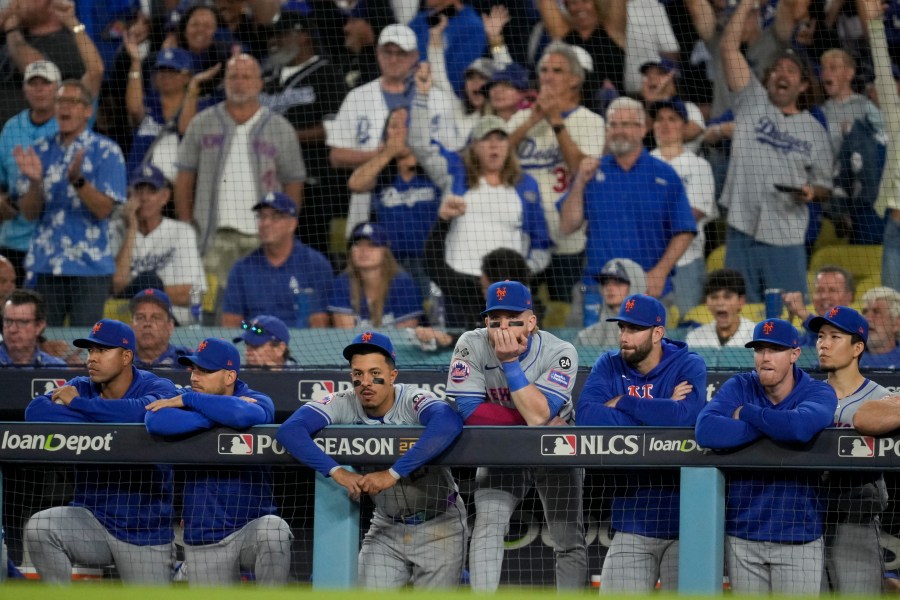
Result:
{"points": [[844, 107], [763, 44], [888, 204], [359, 62], [247, 22], [726, 295], [196, 32], [506, 91], [156, 251], [230, 518], [853, 556], [46, 30], [881, 308], [490, 204], [232, 154], [658, 85], [464, 38], [302, 87], [283, 277], [120, 516], [154, 323], [625, 192], [598, 27], [768, 216], [161, 117], [512, 373], [651, 381], [833, 286], [356, 132], [551, 139], [618, 279], [268, 343], [7, 278], [670, 119], [418, 530], [373, 291], [23, 324], [781, 553], [42, 80], [70, 184], [648, 38], [403, 200]]}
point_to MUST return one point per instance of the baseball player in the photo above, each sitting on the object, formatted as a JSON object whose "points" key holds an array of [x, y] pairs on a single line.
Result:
{"points": [[230, 520], [773, 520], [650, 381], [121, 516], [418, 530], [511, 373], [853, 556]]}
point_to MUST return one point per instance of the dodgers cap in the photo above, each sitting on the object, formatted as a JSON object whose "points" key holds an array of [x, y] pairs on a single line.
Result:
{"points": [[153, 295], [672, 103], [508, 295], [844, 318], [641, 310], [262, 329], [513, 74], [279, 201], [774, 331], [214, 354], [108, 333], [174, 58], [148, 174], [373, 232], [398, 34], [44, 69]]}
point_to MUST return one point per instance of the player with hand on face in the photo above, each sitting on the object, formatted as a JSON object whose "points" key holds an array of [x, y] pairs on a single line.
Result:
{"points": [[653, 382], [773, 521], [229, 515], [418, 531], [121, 516], [853, 558], [511, 373]]}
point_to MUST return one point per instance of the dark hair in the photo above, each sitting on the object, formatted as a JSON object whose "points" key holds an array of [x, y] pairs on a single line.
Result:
{"points": [[373, 350], [19, 296], [504, 263], [729, 280]]}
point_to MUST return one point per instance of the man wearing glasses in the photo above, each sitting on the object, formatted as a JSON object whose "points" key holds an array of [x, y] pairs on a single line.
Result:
{"points": [[511, 373], [230, 518], [70, 184], [635, 205], [154, 323], [23, 324]]}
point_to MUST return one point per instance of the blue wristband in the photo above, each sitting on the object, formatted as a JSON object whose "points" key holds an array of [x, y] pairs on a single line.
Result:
{"points": [[515, 378]]}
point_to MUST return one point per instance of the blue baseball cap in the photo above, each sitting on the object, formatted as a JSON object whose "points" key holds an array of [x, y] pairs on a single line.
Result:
{"points": [[369, 340], [373, 232], [278, 201], [641, 310], [513, 74], [674, 104], [667, 65], [148, 174], [151, 295], [262, 329], [774, 331], [174, 58], [844, 318], [109, 333], [508, 295], [214, 354]]}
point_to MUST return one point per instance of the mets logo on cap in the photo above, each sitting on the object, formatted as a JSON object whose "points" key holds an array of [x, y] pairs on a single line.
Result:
{"points": [[97, 327], [833, 312], [768, 327], [501, 293], [367, 337], [629, 306], [202, 346]]}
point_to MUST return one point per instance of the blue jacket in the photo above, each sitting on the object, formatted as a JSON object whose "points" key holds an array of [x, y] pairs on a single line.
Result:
{"points": [[220, 501], [782, 507]]}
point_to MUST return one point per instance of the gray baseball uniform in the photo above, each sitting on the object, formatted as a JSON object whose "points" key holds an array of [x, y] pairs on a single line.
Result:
{"points": [[551, 364], [853, 556], [418, 532]]}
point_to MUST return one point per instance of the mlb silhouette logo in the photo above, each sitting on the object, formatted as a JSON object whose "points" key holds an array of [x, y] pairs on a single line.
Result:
{"points": [[315, 390], [856, 446], [39, 387], [559, 445], [235, 443]]}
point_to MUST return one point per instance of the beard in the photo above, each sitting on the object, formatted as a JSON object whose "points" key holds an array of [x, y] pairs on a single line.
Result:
{"points": [[620, 147], [637, 356]]}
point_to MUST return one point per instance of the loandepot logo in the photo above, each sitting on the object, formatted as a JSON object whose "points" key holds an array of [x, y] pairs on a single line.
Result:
{"points": [[52, 442]]}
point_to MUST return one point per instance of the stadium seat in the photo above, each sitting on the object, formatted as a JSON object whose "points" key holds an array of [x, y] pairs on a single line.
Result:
{"points": [[716, 259], [117, 308], [828, 236], [555, 314], [211, 298], [863, 261], [699, 314]]}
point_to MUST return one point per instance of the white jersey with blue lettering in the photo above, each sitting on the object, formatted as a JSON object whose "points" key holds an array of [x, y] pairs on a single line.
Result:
{"points": [[426, 489], [549, 362]]}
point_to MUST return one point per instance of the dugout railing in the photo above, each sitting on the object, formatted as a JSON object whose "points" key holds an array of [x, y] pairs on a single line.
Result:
{"points": [[336, 519]]}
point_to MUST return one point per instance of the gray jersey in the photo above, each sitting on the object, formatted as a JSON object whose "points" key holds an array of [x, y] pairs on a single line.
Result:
{"points": [[847, 407], [549, 362], [428, 489], [772, 148]]}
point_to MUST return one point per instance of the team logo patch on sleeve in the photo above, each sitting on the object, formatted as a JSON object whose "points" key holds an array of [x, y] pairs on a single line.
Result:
{"points": [[559, 378], [324, 400], [459, 371], [418, 400]]}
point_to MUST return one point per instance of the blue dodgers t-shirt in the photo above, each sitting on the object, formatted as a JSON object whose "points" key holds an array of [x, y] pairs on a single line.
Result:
{"points": [[69, 239], [256, 287], [407, 210], [403, 301]]}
